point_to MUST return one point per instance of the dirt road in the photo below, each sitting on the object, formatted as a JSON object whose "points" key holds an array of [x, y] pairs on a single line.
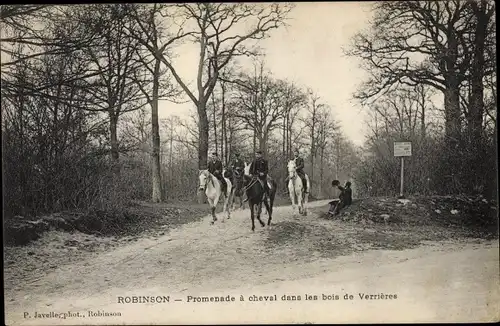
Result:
{"points": [[452, 281]]}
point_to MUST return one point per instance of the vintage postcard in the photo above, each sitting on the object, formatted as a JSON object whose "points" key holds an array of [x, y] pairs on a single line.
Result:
{"points": [[250, 163]]}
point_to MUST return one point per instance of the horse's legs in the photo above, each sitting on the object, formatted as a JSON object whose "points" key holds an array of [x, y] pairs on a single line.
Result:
{"points": [[258, 214], [306, 200], [299, 199], [224, 203], [227, 206], [232, 201], [269, 212], [212, 211], [291, 191], [214, 206], [252, 214]]}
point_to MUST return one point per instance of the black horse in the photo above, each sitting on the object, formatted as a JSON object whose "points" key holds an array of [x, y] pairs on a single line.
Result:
{"points": [[255, 194], [237, 179]]}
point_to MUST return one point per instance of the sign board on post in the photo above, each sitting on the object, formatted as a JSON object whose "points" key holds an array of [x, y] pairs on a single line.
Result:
{"points": [[402, 149]]}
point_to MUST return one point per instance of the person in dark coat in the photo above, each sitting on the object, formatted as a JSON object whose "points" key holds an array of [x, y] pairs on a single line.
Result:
{"points": [[347, 194], [215, 167], [299, 167], [259, 168], [237, 164]]}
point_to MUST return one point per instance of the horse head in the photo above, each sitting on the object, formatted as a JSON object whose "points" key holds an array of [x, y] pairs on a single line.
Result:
{"points": [[292, 169], [204, 178]]}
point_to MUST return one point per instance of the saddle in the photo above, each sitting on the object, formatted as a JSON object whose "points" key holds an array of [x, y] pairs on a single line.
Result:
{"points": [[302, 177], [223, 184]]}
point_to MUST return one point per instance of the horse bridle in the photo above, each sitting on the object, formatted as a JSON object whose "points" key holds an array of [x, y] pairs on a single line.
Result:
{"points": [[254, 180], [295, 174], [209, 176]]}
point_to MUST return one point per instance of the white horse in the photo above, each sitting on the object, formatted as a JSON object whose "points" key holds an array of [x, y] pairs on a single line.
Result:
{"points": [[296, 189], [212, 187]]}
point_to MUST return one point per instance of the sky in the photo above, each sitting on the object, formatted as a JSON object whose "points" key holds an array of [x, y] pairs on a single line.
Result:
{"points": [[309, 53]]}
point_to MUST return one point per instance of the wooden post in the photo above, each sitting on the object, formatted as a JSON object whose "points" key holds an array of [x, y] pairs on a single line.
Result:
{"points": [[401, 193]]}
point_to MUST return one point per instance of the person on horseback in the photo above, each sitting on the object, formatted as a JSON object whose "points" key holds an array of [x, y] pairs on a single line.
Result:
{"points": [[238, 166], [215, 167], [259, 169], [299, 163]]}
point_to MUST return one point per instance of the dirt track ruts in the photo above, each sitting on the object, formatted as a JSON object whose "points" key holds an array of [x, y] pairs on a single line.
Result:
{"points": [[202, 258]]}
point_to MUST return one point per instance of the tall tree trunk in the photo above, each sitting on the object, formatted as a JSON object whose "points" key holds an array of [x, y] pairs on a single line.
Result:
{"points": [[289, 140], [313, 140], [321, 170], [283, 145], [422, 114], [263, 142], [224, 125], [157, 194], [476, 105], [452, 94], [452, 114], [477, 145], [230, 146], [215, 124], [313, 152], [171, 157], [283, 153], [255, 126], [337, 159], [113, 125], [203, 127]]}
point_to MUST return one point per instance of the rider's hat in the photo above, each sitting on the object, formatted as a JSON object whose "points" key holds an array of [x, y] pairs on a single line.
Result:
{"points": [[214, 153], [259, 152], [237, 153]]}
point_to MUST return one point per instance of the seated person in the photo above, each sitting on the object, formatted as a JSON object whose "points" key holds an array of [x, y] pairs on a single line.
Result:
{"points": [[337, 203], [347, 196]]}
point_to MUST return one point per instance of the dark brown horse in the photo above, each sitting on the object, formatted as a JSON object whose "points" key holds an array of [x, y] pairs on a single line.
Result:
{"points": [[255, 193], [237, 179]]}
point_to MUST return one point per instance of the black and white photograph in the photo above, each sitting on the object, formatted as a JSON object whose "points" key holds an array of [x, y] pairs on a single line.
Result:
{"points": [[250, 163]]}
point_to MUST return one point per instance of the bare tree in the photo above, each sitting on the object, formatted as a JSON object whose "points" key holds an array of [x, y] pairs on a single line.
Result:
{"points": [[31, 32], [151, 34], [311, 122], [216, 29], [483, 12], [413, 42], [261, 103], [112, 91], [327, 133]]}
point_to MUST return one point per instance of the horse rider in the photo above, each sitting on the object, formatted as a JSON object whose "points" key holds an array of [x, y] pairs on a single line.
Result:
{"points": [[238, 165], [259, 168], [299, 167], [215, 167]]}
